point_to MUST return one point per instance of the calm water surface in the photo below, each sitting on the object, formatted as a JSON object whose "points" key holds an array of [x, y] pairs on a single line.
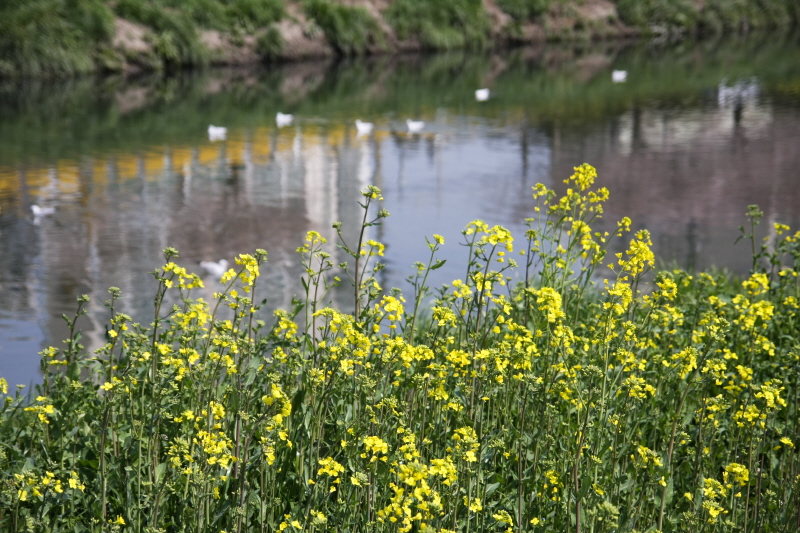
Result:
{"points": [[697, 133]]}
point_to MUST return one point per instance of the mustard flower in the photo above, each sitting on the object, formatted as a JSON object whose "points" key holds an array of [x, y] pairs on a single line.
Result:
{"points": [[771, 396], [371, 248], [285, 324], [329, 467], [714, 510], [646, 457], [75, 482], [713, 489], [42, 411], [318, 518], [739, 472], [621, 297], [757, 284], [549, 303], [376, 446], [503, 517], [475, 505], [637, 388], [444, 316], [312, 239], [467, 443]]}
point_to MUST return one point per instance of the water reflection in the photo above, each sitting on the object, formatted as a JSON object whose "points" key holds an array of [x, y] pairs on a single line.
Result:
{"points": [[684, 146]]}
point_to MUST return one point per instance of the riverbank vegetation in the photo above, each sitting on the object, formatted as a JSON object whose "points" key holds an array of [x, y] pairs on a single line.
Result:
{"points": [[557, 386], [58, 37]]}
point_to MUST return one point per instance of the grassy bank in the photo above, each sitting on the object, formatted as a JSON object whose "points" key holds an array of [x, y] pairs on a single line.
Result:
{"points": [[552, 388], [57, 37]]}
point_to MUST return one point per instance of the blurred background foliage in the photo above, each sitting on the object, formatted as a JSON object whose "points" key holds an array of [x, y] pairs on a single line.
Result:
{"points": [[65, 37]]}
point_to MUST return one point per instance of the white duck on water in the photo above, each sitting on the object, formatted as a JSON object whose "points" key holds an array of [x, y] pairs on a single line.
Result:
{"points": [[414, 126], [217, 133], [216, 269], [283, 119], [364, 128], [39, 212], [482, 95]]}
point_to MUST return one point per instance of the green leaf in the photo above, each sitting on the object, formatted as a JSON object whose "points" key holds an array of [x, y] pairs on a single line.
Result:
{"points": [[586, 485], [670, 491], [160, 471], [439, 264], [490, 488], [73, 371]]}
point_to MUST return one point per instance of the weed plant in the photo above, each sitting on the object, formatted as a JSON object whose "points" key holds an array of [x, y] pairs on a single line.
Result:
{"points": [[530, 395], [350, 30], [57, 37], [440, 25], [715, 16], [47, 37], [523, 10], [43, 37], [176, 40]]}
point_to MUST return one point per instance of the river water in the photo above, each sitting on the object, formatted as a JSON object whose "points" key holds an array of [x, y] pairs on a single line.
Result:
{"points": [[696, 133]]}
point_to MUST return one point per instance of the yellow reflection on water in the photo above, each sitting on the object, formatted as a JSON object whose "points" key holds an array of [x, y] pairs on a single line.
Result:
{"points": [[63, 179]]}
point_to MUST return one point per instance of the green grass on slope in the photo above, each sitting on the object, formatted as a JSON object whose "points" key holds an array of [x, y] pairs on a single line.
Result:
{"points": [[717, 16], [350, 30], [58, 37], [52, 36], [440, 24], [46, 37]]}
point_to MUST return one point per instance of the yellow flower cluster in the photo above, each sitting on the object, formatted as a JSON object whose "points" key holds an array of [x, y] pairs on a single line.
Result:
{"points": [[646, 457], [549, 303], [375, 448], [553, 483], [639, 255], [329, 467], [42, 411], [248, 273], [28, 484], [285, 325], [313, 238], [713, 491], [217, 447], [392, 309], [372, 248], [414, 499], [739, 473], [467, 443], [186, 280], [195, 314], [637, 388]]}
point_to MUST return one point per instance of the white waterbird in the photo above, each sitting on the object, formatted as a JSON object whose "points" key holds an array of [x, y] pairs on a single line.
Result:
{"points": [[364, 128], [481, 95], [414, 126], [217, 133], [619, 76], [216, 269], [39, 212], [283, 119], [738, 94]]}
